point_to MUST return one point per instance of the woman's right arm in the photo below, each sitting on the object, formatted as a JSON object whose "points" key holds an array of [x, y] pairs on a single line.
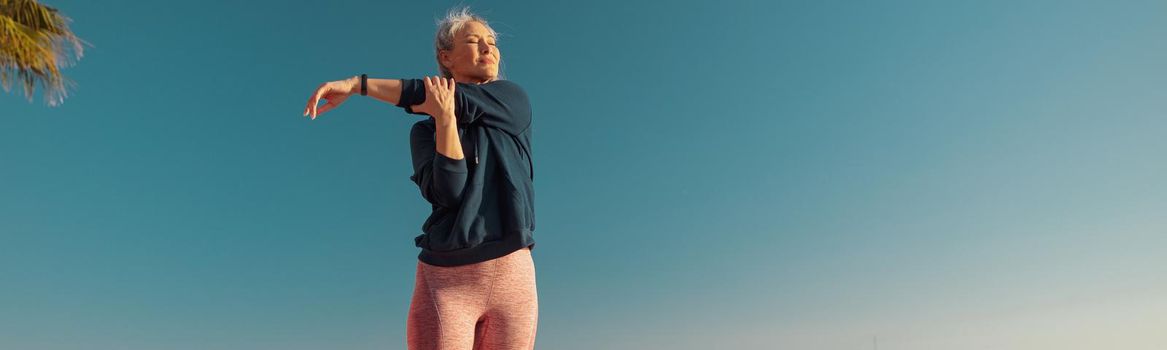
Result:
{"points": [[336, 92], [387, 90]]}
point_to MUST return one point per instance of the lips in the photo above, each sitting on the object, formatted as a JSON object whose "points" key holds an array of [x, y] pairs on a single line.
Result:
{"points": [[486, 60]]}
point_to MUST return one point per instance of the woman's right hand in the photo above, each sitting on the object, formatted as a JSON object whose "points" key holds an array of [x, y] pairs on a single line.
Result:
{"points": [[335, 92]]}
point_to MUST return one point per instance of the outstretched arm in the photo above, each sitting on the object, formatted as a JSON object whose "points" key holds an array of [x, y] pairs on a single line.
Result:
{"points": [[387, 90], [336, 92]]}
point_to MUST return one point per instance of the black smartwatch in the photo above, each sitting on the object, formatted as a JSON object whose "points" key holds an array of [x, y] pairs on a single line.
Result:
{"points": [[364, 88]]}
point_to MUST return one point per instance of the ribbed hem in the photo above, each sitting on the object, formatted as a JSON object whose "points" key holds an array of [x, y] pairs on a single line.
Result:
{"points": [[479, 253]]}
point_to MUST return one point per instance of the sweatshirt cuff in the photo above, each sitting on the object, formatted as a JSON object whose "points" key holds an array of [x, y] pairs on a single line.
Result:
{"points": [[444, 163]]}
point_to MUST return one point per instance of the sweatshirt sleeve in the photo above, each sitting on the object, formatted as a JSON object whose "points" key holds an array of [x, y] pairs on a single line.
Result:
{"points": [[441, 179], [412, 93], [501, 104]]}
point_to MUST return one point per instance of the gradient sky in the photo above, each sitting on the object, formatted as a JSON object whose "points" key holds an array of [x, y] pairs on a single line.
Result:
{"points": [[709, 175]]}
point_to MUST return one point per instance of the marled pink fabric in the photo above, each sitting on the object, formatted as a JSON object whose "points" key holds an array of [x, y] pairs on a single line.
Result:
{"points": [[491, 305]]}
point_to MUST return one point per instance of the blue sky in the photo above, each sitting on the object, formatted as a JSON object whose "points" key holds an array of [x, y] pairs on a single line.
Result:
{"points": [[786, 175]]}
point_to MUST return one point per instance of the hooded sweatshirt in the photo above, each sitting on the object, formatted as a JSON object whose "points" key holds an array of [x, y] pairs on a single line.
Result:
{"points": [[483, 204]]}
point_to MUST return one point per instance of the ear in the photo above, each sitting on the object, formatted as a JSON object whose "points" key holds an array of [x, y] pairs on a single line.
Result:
{"points": [[444, 56]]}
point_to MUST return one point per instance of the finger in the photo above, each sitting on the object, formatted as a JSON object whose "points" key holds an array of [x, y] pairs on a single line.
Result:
{"points": [[452, 84], [312, 100], [309, 103], [326, 107], [316, 99], [327, 93]]}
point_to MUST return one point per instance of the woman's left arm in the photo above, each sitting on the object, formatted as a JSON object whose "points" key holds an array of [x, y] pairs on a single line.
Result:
{"points": [[440, 178], [501, 104]]}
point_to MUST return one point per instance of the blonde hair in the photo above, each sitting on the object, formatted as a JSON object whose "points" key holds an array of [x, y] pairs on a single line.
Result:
{"points": [[449, 26]]}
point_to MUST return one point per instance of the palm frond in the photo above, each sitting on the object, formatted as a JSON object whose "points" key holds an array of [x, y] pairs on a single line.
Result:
{"points": [[35, 42]]}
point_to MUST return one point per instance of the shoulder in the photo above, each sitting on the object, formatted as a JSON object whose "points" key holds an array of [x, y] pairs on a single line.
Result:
{"points": [[507, 87], [510, 84]]}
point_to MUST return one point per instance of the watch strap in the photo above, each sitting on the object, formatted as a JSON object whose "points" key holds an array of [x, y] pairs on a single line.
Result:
{"points": [[364, 84]]}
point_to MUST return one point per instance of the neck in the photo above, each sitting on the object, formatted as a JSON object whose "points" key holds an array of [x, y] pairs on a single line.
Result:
{"points": [[472, 80]]}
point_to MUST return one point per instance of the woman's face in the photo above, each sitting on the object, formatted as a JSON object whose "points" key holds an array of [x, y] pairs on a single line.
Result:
{"points": [[474, 58]]}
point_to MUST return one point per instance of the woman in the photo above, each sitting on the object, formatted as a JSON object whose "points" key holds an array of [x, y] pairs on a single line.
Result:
{"points": [[475, 281]]}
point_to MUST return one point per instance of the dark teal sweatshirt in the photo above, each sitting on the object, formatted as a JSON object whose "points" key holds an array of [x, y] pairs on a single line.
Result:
{"points": [[483, 204]]}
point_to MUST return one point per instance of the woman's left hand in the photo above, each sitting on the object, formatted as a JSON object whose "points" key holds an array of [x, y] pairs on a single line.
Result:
{"points": [[439, 98]]}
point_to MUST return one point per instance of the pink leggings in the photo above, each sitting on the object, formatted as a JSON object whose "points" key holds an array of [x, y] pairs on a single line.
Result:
{"points": [[491, 305]]}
